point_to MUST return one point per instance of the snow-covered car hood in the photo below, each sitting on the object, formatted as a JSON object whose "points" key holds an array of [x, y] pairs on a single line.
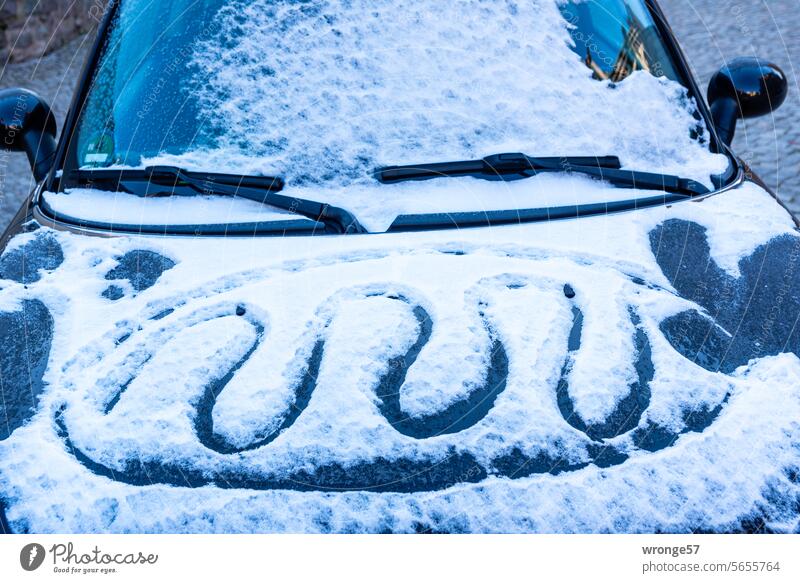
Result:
{"points": [[630, 372]]}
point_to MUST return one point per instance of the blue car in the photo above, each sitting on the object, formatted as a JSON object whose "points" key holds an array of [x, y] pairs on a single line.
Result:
{"points": [[407, 266]]}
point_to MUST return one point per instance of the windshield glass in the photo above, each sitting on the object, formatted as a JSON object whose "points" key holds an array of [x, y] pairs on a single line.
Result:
{"points": [[321, 92]]}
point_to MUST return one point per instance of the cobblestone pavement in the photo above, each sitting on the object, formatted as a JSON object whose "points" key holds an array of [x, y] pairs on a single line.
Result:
{"points": [[711, 32], [54, 78]]}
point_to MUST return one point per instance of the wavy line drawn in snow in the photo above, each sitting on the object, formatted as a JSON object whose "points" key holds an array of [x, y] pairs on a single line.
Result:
{"points": [[541, 365]]}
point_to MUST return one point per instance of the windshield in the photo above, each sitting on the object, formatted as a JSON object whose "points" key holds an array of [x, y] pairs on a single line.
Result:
{"points": [[322, 92]]}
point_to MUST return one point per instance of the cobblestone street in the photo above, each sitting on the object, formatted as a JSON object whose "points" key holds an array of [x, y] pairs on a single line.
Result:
{"points": [[54, 78], [711, 32]]}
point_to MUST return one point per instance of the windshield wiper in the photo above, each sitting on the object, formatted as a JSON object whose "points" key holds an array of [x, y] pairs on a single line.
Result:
{"points": [[156, 181], [515, 165]]}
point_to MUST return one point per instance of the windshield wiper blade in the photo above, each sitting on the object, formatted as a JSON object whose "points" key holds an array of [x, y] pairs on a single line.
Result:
{"points": [[516, 165], [156, 181]]}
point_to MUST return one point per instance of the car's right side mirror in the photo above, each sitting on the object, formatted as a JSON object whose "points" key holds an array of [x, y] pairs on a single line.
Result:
{"points": [[745, 87]]}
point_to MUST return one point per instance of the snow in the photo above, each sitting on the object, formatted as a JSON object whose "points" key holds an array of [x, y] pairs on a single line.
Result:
{"points": [[360, 296], [425, 81], [214, 400], [324, 92], [122, 208], [375, 206]]}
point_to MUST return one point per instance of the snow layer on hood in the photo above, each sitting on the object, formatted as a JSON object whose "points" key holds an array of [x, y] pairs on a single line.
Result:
{"points": [[122, 208], [251, 314], [323, 92]]}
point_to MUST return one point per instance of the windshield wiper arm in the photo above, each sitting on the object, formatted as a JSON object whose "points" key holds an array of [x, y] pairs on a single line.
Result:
{"points": [[155, 181], [515, 165]]}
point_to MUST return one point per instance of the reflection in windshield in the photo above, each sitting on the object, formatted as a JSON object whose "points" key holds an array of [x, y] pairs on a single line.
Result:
{"points": [[138, 102], [616, 38]]}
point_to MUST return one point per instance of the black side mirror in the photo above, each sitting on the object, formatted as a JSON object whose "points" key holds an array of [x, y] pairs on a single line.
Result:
{"points": [[745, 87], [27, 125]]}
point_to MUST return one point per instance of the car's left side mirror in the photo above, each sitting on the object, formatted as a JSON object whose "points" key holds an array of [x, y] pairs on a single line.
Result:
{"points": [[27, 125], [745, 87]]}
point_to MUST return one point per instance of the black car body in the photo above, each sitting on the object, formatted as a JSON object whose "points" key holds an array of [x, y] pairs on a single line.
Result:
{"points": [[593, 345]]}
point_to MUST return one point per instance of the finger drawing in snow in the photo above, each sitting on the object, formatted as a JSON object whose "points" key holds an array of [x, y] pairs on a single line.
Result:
{"points": [[383, 386]]}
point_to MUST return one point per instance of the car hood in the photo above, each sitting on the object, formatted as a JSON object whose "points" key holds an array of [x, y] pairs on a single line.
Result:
{"points": [[630, 372]]}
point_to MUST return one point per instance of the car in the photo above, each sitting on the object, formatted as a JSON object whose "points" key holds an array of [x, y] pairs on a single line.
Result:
{"points": [[371, 266]]}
